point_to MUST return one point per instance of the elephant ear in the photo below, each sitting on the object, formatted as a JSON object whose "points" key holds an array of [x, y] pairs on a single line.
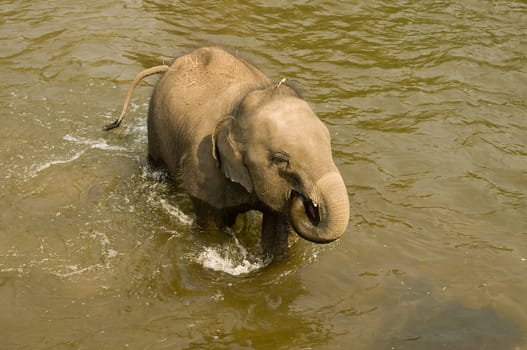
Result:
{"points": [[226, 152]]}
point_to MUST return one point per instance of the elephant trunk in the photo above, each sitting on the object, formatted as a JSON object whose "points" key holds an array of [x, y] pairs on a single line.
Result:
{"points": [[323, 216]]}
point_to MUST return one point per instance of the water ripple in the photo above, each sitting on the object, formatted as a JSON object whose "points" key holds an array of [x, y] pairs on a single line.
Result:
{"points": [[425, 102]]}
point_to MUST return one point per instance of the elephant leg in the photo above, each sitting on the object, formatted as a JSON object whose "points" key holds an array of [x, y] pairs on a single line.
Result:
{"points": [[209, 217], [276, 232], [154, 155]]}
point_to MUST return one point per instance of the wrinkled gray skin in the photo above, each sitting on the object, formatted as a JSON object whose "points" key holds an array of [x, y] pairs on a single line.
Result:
{"points": [[237, 142]]}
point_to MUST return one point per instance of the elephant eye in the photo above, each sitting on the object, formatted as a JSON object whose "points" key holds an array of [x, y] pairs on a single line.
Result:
{"points": [[280, 158]]}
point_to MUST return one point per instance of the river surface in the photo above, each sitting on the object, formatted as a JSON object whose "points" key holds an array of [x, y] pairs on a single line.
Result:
{"points": [[426, 102]]}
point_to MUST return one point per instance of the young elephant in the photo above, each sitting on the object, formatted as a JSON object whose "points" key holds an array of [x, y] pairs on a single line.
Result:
{"points": [[238, 142]]}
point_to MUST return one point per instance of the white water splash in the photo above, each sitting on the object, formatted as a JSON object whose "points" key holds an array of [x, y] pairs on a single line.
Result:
{"points": [[175, 212], [232, 259], [72, 270], [158, 193], [93, 144], [37, 169]]}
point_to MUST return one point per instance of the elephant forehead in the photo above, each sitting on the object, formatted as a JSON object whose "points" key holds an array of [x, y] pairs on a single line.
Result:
{"points": [[289, 117], [286, 105], [295, 131]]}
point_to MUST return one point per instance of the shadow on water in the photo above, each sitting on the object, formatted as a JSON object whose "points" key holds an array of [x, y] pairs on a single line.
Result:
{"points": [[249, 311], [441, 324]]}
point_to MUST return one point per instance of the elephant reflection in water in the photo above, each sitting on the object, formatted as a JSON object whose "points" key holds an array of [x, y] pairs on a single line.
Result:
{"points": [[238, 142]]}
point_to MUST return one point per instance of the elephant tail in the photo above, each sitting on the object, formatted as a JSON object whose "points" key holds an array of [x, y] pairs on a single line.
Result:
{"points": [[138, 78]]}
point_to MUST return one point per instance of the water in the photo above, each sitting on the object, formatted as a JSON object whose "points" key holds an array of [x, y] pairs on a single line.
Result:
{"points": [[426, 104]]}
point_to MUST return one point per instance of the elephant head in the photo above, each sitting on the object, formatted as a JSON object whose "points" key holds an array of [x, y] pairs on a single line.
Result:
{"points": [[279, 151]]}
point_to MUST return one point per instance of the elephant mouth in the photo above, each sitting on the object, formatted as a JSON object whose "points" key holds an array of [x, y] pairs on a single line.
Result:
{"points": [[322, 216], [311, 209]]}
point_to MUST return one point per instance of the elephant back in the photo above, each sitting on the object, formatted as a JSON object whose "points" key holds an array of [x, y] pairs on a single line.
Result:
{"points": [[191, 98]]}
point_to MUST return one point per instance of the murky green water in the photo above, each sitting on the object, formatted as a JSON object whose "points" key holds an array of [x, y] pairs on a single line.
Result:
{"points": [[427, 106]]}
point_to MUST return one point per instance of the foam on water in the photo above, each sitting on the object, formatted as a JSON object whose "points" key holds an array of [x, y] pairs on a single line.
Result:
{"points": [[67, 263], [38, 168], [106, 256], [87, 143]]}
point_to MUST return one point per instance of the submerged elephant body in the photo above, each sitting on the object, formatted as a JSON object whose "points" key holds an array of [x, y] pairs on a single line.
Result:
{"points": [[238, 142]]}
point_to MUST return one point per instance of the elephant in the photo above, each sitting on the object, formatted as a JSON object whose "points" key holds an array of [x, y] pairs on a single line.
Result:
{"points": [[236, 141]]}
